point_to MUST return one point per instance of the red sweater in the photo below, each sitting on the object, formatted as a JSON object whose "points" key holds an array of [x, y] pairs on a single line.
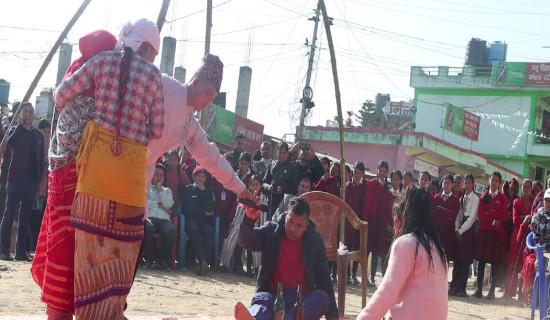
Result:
{"points": [[448, 211], [329, 186], [494, 209], [378, 201]]}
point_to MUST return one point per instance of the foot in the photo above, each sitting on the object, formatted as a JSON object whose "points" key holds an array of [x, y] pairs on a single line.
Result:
{"points": [[334, 279], [6, 257], [23, 257], [477, 294], [490, 295], [165, 266], [204, 268], [249, 273], [371, 284], [461, 294], [148, 264], [452, 293], [241, 312], [355, 280], [349, 281]]}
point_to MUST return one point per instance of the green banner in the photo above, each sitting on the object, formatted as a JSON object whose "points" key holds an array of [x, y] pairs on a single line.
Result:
{"points": [[461, 122], [220, 124], [510, 73]]}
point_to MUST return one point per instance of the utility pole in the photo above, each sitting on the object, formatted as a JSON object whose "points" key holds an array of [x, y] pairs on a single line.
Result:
{"points": [[307, 94]]}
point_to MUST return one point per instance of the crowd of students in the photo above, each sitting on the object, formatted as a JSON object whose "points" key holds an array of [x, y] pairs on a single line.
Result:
{"points": [[489, 228]]}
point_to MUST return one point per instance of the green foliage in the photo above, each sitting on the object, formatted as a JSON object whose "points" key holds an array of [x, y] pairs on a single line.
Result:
{"points": [[369, 117]]}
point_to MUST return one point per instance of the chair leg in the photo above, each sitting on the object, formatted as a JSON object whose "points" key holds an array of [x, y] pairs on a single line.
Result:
{"points": [[342, 262], [364, 276], [534, 297]]}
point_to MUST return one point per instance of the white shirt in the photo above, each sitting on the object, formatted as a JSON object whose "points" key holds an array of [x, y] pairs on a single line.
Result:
{"points": [[154, 197], [468, 209], [181, 126]]}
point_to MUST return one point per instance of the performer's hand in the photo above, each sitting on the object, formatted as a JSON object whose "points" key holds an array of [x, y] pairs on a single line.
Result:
{"points": [[247, 195], [252, 213], [209, 213], [527, 219]]}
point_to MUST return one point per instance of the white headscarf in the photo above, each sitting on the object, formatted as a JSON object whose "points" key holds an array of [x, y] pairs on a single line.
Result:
{"points": [[134, 34]]}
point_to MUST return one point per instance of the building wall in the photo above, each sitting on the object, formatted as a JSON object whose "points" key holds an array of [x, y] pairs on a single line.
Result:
{"points": [[493, 139]]}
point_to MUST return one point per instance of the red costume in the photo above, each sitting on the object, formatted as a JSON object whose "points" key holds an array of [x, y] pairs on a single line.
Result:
{"points": [[377, 212]]}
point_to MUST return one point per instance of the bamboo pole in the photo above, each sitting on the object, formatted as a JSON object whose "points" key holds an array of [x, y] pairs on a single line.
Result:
{"points": [[45, 64], [326, 22], [162, 14]]}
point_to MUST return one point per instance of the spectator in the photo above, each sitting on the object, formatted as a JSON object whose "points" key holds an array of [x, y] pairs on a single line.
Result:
{"points": [[293, 253], [279, 178], [325, 162], [25, 173], [355, 192], [245, 171], [415, 285], [175, 178], [424, 179], [303, 187], [187, 161], [260, 167], [198, 208], [308, 165], [39, 204], [330, 181], [540, 225], [458, 185], [238, 148], [225, 202], [407, 179], [159, 204]]}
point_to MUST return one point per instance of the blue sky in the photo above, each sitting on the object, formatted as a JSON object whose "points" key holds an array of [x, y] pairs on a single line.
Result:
{"points": [[376, 43]]}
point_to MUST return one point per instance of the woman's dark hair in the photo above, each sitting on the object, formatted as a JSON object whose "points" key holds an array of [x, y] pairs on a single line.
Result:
{"points": [[539, 183], [348, 168], [257, 155], [257, 178], [246, 156], [496, 173], [417, 219], [360, 165], [327, 160], [124, 75], [400, 175], [408, 173], [470, 177], [435, 183]]}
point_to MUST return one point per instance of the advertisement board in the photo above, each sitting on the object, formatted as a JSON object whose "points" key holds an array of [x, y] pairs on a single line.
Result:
{"points": [[521, 73], [461, 122]]}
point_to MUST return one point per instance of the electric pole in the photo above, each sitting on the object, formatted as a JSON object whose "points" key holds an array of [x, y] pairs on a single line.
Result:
{"points": [[307, 94]]}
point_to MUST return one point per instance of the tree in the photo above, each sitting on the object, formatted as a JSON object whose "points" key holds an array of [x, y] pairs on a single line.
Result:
{"points": [[369, 116]]}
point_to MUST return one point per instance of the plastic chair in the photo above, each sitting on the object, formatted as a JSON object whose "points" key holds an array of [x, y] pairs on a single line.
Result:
{"points": [[540, 287], [184, 237], [326, 211]]}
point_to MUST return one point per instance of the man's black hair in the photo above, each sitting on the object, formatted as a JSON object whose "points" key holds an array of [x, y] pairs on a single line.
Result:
{"points": [[299, 206]]}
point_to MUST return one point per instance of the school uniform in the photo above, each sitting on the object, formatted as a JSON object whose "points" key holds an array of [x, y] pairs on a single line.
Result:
{"points": [[446, 207]]}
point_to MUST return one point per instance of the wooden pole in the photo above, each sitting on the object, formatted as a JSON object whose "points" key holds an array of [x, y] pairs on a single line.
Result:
{"points": [[207, 47], [162, 14], [326, 22], [45, 64]]}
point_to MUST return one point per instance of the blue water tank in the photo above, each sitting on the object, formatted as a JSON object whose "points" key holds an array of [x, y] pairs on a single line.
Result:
{"points": [[4, 91], [496, 52]]}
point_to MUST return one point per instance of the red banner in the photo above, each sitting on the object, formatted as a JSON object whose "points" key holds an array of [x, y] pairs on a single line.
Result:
{"points": [[537, 74], [253, 133], [470, 127]]}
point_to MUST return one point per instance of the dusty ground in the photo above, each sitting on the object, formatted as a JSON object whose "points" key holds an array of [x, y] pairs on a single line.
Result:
{"points": [[182, 292]]}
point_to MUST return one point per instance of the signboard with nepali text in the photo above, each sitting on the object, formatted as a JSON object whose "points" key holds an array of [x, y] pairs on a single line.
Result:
{"points": [[461, 122], [521, 73], [401, 109], [222, 125]]}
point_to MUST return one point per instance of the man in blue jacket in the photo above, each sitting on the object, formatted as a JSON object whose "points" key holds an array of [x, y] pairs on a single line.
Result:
{"points": [[24, 176], [293, 253]]}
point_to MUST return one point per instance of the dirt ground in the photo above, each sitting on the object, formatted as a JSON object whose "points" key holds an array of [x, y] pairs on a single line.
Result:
{"points": [[183, 293]]}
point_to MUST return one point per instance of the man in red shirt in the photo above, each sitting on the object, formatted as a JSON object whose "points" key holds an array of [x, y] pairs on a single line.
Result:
{"points": [[293, 253]]}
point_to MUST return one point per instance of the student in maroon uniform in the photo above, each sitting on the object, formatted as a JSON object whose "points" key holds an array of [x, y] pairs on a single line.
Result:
{"points": [[396, 182], [424, 179], [245, 170], [373, 212], [330, 182], [433, 188], [355, 199], [521, 210], [446, 207], [464, 237], [490, 240]]}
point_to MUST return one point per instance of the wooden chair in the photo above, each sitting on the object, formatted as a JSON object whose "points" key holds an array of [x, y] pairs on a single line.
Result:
{"points": [[326, 210]]}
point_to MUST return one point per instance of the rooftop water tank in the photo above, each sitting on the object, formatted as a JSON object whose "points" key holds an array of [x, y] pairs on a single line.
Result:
{"points": [[496, 52], [477, 50], [4, 91], [380, 100]]}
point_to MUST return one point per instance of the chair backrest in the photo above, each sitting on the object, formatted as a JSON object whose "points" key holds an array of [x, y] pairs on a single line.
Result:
{"points": [[326, 210]]}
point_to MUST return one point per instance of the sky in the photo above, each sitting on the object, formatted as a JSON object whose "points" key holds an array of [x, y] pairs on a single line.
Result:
{"points": [[376, 43]]}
